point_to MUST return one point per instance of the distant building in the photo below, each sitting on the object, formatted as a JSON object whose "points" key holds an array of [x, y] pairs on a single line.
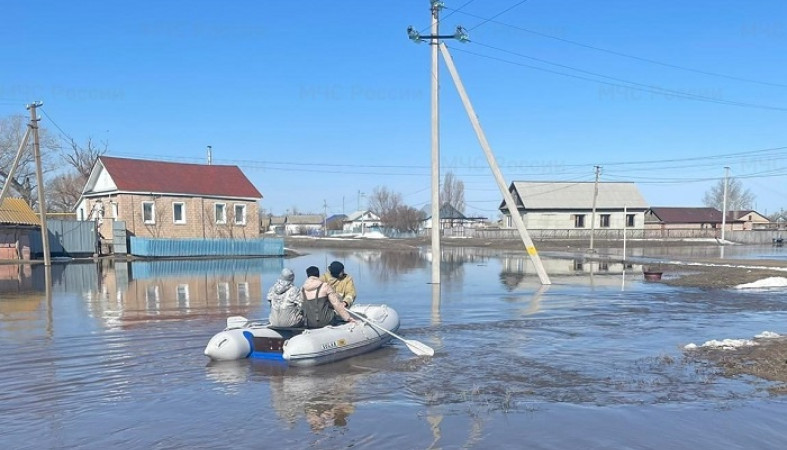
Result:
{"points": [[668, 217], [17, 221], [170, 200], [562, 205], [300, 224], [335, 222], [361, 222], [748, 220], [450, 217]]}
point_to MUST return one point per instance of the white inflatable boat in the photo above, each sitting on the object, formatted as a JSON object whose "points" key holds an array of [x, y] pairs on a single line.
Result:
{"points": [[301, 347]]}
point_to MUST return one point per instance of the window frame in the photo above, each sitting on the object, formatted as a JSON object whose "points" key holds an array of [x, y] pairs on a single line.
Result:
{"points": [[223, 219], [182, 212], [235, 214], [604, 220], [631, 220], [579, 220], [152, 220]]}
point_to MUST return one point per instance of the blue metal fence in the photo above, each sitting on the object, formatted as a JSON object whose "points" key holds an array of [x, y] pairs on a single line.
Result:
{"points": [[225, 266], [166, 248]]}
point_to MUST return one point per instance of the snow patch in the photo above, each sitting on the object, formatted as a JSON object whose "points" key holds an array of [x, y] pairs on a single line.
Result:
{"points": [[770, 282], [767, 335], [729, 344], [374, 235]]}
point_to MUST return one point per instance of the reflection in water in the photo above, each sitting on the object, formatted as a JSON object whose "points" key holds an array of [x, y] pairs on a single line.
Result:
{"points": [[323, 396], [519, 272], [435, 305], [127, 291]]}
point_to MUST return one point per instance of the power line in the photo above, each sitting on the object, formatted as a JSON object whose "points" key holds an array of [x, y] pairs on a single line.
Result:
{"points": [[497, 15], [626, 55], [634, 85], [453, 11], [649, 162]]}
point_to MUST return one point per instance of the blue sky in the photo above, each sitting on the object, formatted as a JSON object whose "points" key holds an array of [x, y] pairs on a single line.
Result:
{"points": [[319, 101]]}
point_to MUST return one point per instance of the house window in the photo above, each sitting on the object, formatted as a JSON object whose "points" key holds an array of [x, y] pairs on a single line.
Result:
{"points": [[243, 293], [179, 212], [604, 221], [240, 214], [629, 220], [579, 221], [223, 293], [182, 294], [152, 299], [148, 212], [220, 212]]}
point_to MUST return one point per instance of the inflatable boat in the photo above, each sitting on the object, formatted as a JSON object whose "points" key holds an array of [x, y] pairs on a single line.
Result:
{"points": [[245, 338]]}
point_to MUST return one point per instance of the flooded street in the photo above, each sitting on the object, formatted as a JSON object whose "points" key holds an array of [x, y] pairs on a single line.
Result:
{"points": [[111, 357]]}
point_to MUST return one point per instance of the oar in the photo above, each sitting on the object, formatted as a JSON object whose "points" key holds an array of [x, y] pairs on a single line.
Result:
{"points": [[419, 348]]}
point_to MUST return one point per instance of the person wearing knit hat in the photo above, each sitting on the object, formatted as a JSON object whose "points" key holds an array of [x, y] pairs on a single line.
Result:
{"points": [[286, 302], [321, 305], [341, 282]]}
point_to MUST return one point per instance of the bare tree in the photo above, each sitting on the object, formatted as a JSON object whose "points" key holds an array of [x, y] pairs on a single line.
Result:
{"points": [[738, 198], [64, 190], [12, 130], [406, 218], [453, 192], [385, 204]]}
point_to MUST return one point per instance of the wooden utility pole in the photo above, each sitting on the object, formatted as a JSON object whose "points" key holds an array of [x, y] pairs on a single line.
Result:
{"points": [[490, 157], [40, 179], [593, 213]]}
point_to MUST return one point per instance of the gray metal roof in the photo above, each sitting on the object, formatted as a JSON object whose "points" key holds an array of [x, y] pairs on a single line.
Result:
{"points": [[578, 195]]}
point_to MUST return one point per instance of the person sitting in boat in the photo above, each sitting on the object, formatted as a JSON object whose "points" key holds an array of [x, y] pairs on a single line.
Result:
{"points": [[321, 305], [286, 302], [342, 283]]}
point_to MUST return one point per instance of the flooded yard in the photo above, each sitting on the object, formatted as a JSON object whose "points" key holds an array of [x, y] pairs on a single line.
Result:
{"points": [[111, 356]]}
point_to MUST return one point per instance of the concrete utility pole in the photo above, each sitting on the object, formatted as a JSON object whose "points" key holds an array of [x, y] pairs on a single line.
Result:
{"points": [[724, 205], [12, 170], [434, 42], [324, 217], [593, 213], [490, 157], [436, 251], [40, 178]]}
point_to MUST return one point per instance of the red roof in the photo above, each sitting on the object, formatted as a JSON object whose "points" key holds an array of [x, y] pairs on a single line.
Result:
{"points": [[687, 215], [138, 175]]}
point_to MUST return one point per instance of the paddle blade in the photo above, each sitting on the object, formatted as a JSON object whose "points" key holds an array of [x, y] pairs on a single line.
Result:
{"points": [[419, 348]]}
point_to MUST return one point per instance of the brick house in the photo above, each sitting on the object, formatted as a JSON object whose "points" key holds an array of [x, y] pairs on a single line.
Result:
{"points": [[159, 199]]}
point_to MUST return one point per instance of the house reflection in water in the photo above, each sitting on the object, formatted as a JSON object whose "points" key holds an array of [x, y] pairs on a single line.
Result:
{"points": [[143, 290], [174, 288], [518, 271]]}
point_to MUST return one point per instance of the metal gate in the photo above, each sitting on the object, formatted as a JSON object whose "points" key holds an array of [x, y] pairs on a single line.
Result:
{"points": [[67, 238], [119, 239]]}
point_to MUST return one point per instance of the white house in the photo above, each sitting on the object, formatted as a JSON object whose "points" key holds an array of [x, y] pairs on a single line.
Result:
{"points": [[564, 205], [360, 222], [450, 217]]}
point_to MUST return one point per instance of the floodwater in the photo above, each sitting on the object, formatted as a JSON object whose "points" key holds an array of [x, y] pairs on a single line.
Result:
{"points": [[111, 357]]}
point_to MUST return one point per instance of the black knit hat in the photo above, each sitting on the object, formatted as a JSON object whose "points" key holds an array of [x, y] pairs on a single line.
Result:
{"points": [[336, 268], [312, 271]]}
